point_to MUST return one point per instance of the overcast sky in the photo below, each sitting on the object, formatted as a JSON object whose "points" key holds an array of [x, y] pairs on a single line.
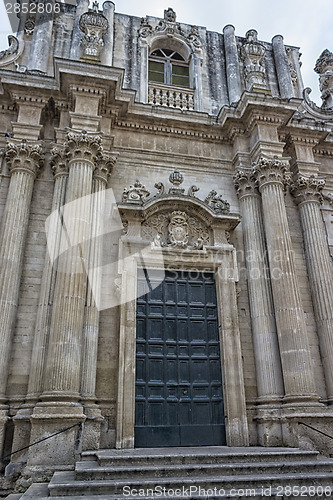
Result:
{"points": [[307, 24]]}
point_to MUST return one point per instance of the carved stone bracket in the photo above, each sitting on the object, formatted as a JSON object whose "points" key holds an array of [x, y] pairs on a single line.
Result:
{"points": [[307, 189], [24, 157], [13, 52]]}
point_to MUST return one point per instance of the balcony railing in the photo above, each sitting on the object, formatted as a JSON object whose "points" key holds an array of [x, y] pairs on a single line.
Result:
{"points": [[170, 96]]}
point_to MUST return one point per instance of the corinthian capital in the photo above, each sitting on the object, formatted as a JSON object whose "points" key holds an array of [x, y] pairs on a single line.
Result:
{"points": [[307, 189], [58, 162], [271, 170], [24, 157], [245, 183], [104, 166], [82, 146]]}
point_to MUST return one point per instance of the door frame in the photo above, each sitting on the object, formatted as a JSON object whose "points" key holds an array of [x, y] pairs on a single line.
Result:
{"points": [[220, 260]]}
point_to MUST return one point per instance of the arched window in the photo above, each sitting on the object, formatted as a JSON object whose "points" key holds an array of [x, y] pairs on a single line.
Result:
{"points": [[168, 67]]}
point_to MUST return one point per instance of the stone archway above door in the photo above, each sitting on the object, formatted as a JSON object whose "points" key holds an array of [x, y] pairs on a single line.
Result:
{"points": [[188, 233]]}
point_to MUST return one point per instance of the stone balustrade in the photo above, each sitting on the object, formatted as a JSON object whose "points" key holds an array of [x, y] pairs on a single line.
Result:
{"points": [[172, 97]]}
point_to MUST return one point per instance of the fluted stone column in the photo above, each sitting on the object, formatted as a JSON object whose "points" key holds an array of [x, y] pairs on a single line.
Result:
{"points": [[266, 350], [307, 193], [282, 68], [42, 327], [232, 64], [104, 165], [60, 405], [62, 380], [291, 327], [24, 161]]}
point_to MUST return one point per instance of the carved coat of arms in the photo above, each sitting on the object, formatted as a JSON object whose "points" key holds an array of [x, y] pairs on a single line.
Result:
{"points": [[178, 229]]}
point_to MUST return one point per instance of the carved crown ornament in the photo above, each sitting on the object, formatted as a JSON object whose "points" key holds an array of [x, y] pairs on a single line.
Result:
{"points": [[94, 25], [173, 218], [170, 28]]}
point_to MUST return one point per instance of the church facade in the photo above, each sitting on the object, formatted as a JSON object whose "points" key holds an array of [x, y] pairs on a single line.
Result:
{"points": [[166, 238]]}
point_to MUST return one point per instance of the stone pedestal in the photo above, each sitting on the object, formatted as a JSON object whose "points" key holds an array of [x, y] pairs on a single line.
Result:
{"points": [[307, 193], [297, 369], [266, 350]]}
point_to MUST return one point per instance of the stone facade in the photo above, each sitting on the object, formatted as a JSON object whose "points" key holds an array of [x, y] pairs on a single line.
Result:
{"points": [[231, 173]]}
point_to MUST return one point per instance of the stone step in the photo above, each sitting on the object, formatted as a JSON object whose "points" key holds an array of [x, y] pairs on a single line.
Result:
{"points": [[218, 454], [85, 471], [64, 483]]}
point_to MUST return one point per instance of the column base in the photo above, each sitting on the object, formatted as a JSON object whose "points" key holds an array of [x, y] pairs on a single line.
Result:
{"points": [[92, 427], [21, 438], [3, 421], [49, 418], [268, 418]]}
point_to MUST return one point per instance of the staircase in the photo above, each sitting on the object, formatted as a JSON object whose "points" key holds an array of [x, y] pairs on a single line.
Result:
{"points": [[205, 472]]}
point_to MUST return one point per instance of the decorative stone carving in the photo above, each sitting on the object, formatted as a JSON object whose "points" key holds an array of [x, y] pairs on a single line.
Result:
{"points": [[94, 25], [137, 193], [324, 67], [307, 189], [160, 187], [83, 145], [104, 166], [328, 197], [178, 230], [253, 53], [216, 203], [245, 183], [24, 157], [58, 162], [14, 51], [29, 27], [192, 190], [271, 170], [170, 15], [169, 27], [176, 178]]}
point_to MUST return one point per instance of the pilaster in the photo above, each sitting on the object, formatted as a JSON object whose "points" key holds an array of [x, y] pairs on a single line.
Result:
{"points": [[308, 197], [298, 375]]}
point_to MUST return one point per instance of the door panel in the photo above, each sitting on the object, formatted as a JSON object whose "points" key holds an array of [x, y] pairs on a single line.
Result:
{"points": [[178, 370]]}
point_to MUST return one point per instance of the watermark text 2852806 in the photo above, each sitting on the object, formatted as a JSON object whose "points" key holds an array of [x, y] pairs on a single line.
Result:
{"points": [[32, 8]]}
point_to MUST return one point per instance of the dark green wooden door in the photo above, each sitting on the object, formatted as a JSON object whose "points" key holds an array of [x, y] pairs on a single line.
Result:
{"points": [[178, 369]]}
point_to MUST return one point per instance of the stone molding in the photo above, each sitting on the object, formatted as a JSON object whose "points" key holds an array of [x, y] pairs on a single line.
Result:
{"points": [[271, 170], [24, 157], [307, 189], [245, 183]]}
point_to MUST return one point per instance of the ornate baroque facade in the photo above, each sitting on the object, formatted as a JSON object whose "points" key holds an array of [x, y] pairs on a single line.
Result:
{"points": [[219, 163]]}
